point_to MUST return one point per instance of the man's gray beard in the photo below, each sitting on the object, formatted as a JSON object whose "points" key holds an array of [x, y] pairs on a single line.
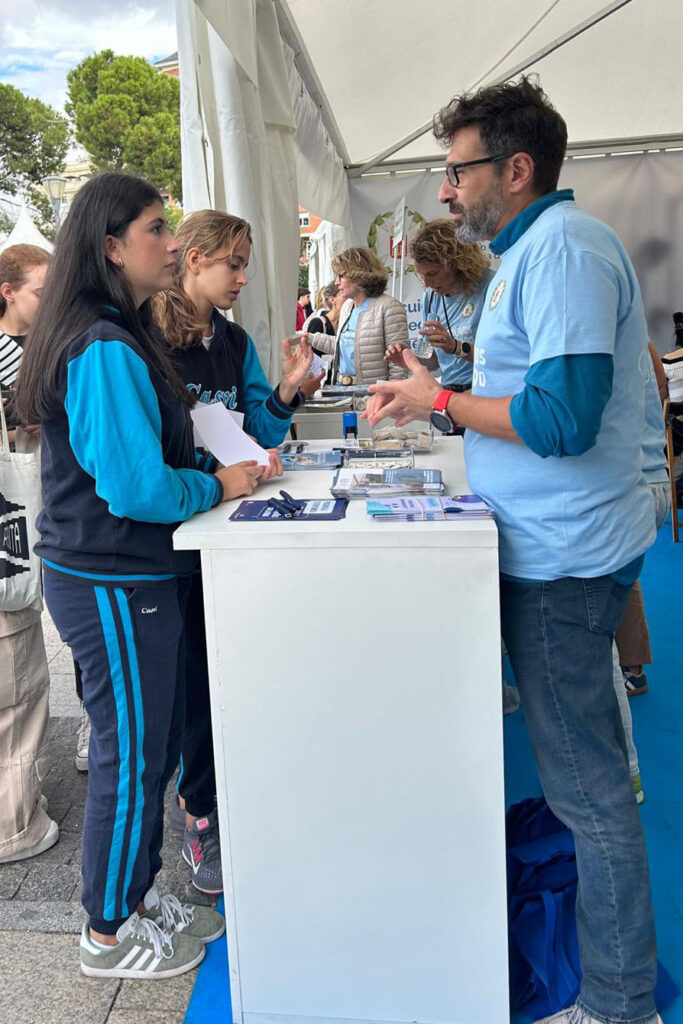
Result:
{"points": [[479, 223]]}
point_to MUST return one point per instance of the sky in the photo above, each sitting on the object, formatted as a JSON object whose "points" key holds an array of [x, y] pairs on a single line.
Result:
{"points": [[41, 40]]}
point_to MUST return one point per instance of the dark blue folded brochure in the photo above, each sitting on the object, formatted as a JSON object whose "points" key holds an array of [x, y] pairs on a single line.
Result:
{"points": [[545, 972]]}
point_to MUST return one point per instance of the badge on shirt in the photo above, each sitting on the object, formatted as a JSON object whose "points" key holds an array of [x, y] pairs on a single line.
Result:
{"points": [[468, 309], [497, 295]]}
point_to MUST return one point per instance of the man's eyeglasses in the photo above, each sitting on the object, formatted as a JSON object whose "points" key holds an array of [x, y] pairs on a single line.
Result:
{"points": [[453, 169]]}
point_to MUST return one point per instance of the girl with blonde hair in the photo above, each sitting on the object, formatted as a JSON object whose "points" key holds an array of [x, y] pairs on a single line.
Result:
{"points": [[217, 361]]}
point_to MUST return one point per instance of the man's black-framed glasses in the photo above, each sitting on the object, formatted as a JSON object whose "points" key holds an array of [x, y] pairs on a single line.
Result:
{"points": [[453, 169]]}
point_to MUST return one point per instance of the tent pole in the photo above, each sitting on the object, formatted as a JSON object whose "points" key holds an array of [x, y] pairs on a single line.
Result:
{"points": [[517, 69]]}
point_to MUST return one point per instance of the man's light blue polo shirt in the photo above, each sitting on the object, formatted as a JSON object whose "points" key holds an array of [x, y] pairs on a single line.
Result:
{"points": [[458, 314], [565, 288]]}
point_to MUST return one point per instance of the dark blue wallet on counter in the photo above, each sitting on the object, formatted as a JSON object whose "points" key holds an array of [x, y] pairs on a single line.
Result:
{"points": [[274, 510]]}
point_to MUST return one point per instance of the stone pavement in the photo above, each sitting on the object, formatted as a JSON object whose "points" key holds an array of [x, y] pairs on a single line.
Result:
{"points": [[40, 911]]}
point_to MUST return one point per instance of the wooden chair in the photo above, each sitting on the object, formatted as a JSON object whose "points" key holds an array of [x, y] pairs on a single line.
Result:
{"points": [[671, 460]]}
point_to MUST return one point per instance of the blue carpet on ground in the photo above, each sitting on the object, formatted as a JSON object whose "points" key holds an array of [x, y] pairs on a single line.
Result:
{"points": [[658, 728], [210, 1002]]}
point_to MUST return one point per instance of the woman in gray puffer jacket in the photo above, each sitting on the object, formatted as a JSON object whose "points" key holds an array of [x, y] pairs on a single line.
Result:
{"points": [[369, 322]]}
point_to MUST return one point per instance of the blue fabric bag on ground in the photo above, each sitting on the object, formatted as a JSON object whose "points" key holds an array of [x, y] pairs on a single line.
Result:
{"points": [[545, 973]]}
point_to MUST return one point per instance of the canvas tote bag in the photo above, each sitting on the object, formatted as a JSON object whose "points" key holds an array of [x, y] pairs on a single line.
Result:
{"points": [[20, 503]]}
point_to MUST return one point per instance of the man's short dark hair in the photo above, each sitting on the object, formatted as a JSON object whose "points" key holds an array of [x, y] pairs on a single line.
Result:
{"points": [[515, 117]]}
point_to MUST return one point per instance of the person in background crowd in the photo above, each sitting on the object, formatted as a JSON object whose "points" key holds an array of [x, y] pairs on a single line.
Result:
{"points": [[632, 636], [370, 322], [26, 828], [217, 361], [456, 275], [22, 275], [325, 317], [119, 472], [303, 307], [553, 443]]}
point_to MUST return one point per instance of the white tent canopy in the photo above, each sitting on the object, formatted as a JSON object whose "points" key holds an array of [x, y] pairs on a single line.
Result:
{"points": [[385, 67], [347, 88], [25, 232]]}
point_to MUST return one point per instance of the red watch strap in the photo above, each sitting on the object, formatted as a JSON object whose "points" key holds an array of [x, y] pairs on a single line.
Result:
{"points": [[441, 401]]}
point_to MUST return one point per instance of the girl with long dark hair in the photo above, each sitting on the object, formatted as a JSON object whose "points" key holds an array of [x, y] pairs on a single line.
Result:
{"points": [[217, 361], [119, 472]]}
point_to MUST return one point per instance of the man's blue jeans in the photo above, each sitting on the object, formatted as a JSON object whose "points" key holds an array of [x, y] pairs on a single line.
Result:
{"points": [[559, 638]]}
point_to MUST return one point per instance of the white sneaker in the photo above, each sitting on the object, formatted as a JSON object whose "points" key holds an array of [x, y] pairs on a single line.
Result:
{"points": [[143, 950], [577, 1015], [48, 840], [171, 916], [83, 741]]}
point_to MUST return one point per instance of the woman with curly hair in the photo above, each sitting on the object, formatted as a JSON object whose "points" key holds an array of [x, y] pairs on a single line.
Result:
{"points": [[370, 322], [456, 275]]}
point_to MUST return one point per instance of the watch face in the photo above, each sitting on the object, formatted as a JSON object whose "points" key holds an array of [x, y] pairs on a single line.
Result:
{"points": [[440, 421]]}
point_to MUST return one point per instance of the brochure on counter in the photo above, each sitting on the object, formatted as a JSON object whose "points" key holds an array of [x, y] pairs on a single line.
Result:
{"points": [[297, 461], [364, 483], [429, 508]]}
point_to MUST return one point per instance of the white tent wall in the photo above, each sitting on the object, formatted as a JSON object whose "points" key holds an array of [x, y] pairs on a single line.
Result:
{"points": [[238, 156], [321, 177], [641, 197]]}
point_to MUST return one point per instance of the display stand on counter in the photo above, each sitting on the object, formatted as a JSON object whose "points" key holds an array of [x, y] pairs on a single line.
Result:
{"points": [[355, 673]]}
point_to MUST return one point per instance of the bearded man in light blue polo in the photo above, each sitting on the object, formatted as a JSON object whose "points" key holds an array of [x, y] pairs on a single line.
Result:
{"points": [[553, 442]]}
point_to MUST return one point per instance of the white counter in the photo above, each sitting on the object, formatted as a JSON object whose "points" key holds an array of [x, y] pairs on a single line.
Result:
{"points": [[356, 704]]}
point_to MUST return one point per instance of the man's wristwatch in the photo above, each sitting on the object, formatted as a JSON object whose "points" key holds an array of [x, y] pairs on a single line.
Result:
{"points": [[439, 417]]}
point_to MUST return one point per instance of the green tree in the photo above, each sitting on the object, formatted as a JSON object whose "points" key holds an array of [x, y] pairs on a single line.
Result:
{"points": [[127, 116], [34, 140], [174, 215], [6, 223]]}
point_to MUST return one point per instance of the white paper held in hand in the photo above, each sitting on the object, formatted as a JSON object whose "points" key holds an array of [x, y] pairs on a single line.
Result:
{"points": [[224, 438], [199, 440]]}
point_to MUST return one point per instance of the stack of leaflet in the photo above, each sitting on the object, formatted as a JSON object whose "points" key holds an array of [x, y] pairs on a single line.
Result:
{"points": [[331, 390], [374, 459], [429, 509], [415, 435], [378, 483], [308, 459]]}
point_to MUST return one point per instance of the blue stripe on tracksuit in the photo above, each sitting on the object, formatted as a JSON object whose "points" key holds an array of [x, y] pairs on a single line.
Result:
{"points": [[129, 644]]}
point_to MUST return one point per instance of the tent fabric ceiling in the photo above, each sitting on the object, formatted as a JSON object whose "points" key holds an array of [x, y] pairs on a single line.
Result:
{"points": [[386, 66]]}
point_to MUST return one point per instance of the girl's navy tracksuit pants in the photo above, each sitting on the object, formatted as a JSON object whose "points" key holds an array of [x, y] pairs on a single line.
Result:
{"points": [[129, 642]]}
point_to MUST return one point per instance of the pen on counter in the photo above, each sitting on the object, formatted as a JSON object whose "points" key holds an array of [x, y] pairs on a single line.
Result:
{"points": [[291, 502], [286, 511]]}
